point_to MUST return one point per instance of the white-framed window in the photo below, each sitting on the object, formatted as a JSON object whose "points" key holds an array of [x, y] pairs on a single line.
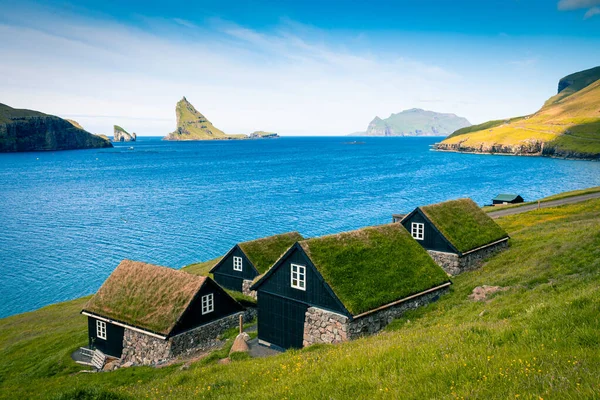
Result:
{"points": [[208, 303], [101, 329], [417, 230], [237, 263], [298, 277]]}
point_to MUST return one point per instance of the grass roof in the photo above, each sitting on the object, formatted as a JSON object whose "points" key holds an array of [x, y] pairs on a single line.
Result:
{"points": [[264, 252], [373, 266], [464, 224], [145, 295]]}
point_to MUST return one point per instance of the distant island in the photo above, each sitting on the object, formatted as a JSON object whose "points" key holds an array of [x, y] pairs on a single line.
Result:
{"points": [[567, 125], [27, 130], [415, 122], [121, 135], [192, 125]]}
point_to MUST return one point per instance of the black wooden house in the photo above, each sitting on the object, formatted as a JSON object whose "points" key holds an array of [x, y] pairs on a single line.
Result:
{"points": [[146, 312], [507, 198], [459, 228], [247, 260], [321, 290]]}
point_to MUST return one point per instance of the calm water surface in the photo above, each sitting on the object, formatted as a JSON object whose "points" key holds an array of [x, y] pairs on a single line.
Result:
{"points": [[68, 218]]}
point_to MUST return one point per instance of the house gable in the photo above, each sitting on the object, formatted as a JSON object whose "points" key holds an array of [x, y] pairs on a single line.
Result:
{"points": [[277, 281], [225, 266], [223, 305], [433, 239]]}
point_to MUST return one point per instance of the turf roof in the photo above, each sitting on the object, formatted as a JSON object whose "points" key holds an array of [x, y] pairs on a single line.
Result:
{"points": [[373, 266], [464, 224], [145, 295], [263, 253]]}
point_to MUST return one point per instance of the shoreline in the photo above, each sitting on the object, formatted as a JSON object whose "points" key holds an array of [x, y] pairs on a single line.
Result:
{"points": [[591, 158]]}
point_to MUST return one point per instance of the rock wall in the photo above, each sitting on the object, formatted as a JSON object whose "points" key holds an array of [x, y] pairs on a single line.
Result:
{"points": [[322, 326], [246, 284], [454, 265], [372, 323], [203, 337], [142, 349]]}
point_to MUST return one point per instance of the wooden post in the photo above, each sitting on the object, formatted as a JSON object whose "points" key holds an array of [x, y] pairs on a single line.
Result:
{"points": [[538, 204], [241, 323]]}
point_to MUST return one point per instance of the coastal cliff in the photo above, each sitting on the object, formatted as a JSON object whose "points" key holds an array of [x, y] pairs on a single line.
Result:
{"points": [[567, 125], [27, 130], [415, 122], [121, 135]]}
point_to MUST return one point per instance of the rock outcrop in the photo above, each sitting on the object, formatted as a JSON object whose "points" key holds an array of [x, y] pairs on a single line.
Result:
{"points": [[27, 130], [567, 125], [263, 135], [121, 135], [416, 122]]}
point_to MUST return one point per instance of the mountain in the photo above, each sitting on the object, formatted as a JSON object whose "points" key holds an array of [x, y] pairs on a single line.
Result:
{"points": [[567, 125], [27, 130], [192, 125], [121, 135], [415, 122]]}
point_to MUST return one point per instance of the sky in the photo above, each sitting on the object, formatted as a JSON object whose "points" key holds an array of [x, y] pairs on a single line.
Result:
{"points": [[292, 67]]}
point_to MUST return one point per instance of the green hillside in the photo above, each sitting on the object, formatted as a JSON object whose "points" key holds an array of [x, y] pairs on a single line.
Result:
{"points": [[416, 122], [192, 125], [568, 125], [539, 339]]}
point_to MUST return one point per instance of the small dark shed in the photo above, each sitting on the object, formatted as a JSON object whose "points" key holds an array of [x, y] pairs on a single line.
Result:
{"points": [[246, 260], [457, 233], [339, 287], [145, 314], [507, 198]]}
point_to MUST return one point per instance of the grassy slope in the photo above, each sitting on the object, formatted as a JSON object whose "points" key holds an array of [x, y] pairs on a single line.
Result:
{"points": [[540, 339], [568, 122]]}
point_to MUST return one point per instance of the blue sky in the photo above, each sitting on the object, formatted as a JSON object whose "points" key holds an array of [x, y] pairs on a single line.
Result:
{"points": [[295, 67]]}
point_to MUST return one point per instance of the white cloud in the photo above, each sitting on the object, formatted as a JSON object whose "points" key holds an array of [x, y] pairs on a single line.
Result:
{"points": [[590, 5]]}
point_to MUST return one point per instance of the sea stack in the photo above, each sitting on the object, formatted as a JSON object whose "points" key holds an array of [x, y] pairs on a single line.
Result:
{"points": [[121, 135]]}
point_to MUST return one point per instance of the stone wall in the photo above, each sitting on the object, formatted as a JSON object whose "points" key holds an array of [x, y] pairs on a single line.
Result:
{"points": [[321, 326], [246, 289], [454, 265], [142, 349], [378, 320], [203, 337]]}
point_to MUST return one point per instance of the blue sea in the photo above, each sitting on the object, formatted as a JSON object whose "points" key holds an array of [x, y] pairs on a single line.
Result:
{"points": [[68, 218]]}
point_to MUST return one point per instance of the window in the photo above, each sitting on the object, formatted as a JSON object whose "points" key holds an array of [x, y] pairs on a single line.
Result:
{"points": [[237, 263], [101, 329], [208, 304], [417, 230], [298, 277]]}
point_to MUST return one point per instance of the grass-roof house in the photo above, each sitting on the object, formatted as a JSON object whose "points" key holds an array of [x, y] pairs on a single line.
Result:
{"points": [[146, 314], [507, 198], [458, 234], [245, 261], [338, 287]]}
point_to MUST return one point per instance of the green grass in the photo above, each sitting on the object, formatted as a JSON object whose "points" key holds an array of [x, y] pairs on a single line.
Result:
{"points": [[264, 252], [374, 266], [539, 339], [464, 224], [202, 268], [483, 126]]}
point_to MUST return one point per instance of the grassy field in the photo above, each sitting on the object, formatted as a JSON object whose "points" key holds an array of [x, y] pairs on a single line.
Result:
{"points": [[540, 339], [567, 124]]}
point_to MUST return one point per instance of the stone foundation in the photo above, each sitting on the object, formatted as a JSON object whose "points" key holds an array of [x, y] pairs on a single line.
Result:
{"points": [[454, 265], [321, 326], [143, 349], [246, 289]]}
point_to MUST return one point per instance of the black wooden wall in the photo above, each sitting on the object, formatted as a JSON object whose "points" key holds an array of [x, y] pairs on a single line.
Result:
{"points": [[226, 276], [224, 305], [113, 345], [432, 240]]}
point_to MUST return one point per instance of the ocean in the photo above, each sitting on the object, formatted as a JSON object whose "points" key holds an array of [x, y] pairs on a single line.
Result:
{"points": [[68, 218]]}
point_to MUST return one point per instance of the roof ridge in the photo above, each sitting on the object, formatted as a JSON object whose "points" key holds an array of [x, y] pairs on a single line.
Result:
{"points": [[268, 237], [345, 233]]}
